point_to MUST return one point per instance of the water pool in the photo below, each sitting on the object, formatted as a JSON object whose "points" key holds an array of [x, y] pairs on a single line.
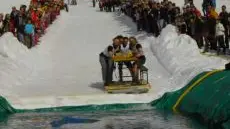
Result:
{"points": [[142, 119]]}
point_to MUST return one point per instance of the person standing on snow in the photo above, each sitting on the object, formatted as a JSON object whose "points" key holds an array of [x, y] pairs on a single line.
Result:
{"points": [[66, 3], [105, 59], [224, 18], [220, 36], [29, 34], [1, 24], [210, 28], [101, 5], [73, 2], [138, 20], [207, 3], [94, 3]]}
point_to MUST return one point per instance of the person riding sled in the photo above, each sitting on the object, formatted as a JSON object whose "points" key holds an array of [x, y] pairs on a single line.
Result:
{"points": [[125, 50], [141, 59], [105, 59]]}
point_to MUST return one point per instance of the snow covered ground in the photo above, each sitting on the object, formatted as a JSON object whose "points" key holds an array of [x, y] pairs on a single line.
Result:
{"points": [[6, 5], [64, 69]]}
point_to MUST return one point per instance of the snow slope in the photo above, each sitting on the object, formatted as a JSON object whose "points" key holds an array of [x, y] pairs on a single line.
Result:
{"points": [[64, 69], [11, 47], [6, 5], [180, 55]]}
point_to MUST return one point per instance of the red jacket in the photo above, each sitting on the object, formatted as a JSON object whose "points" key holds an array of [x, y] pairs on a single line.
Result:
{"points": [[58, 11], [34, 1], [34, 17], [197, 12]]}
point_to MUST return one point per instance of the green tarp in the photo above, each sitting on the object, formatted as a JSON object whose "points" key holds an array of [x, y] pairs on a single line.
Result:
{"points": [[209, 100], [5, 109]]}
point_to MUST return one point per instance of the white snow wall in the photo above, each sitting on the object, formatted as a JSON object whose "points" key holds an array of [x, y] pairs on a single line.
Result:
{"points": [[6, 5], [180, 56]]}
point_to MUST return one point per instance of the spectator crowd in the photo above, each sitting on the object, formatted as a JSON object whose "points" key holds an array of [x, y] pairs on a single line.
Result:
{"points": [[208, 28], [28, 24]]}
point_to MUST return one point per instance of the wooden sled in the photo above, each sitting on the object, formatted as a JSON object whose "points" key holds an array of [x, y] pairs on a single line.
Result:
{"points": [[129, 87]]}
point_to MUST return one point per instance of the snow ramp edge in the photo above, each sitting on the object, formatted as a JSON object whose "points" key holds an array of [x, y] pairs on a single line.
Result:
{"points": [[206, 97]]}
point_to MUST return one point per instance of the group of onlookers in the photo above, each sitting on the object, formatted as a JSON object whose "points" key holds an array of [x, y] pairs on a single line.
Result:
{"points": [[108, 5], [28, 24], [209, 29]]}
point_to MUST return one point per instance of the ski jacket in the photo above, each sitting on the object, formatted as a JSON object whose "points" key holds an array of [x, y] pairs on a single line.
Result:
{"points": [[197, 12], [224, 18], [213, 14], [34, 17], [29, 29]]}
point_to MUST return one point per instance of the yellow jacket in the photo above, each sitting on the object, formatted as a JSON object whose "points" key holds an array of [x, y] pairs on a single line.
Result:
{"points": [[213, 14]]}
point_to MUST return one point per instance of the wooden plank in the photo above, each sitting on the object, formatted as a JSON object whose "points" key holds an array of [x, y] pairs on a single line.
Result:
{"points": [[120, 59], [122, 87], [124, 57]]}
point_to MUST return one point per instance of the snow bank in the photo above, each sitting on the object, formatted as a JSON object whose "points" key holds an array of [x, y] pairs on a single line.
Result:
{"points": [[13, 69], [10, 46], [180, 56], [6, 5]]}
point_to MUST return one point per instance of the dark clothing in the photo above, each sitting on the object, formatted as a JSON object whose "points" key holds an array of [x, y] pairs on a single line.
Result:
{"points": [[164, 13], [20, 22], [107, 68], [221, 44], [224, 18], [199, 24], [171, 16], [141, 61], [128, 64], [211, 24], [13, 15], [154, 15], [210, 28]]}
